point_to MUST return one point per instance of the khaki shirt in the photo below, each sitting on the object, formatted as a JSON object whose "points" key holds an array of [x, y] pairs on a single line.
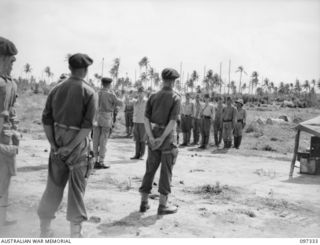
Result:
{"points": [[242, 115], [187, 109], [8, 94], [107, 101], [207, 110], [229, 114], [197, 110], [163, 106], [139, 108], [71, 103], [218, 113]]}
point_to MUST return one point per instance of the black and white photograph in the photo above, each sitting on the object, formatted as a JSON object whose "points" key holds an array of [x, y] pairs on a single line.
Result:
{"points": [[159, 119]]}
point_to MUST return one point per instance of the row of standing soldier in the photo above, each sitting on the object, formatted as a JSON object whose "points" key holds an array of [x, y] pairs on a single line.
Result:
{"points": [[69, 117], [227, 121]]}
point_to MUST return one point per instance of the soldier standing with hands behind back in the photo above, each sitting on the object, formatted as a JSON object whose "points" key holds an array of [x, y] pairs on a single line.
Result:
{"points": [[9, 140], [68, 119], [162, 111], [229, 117]]}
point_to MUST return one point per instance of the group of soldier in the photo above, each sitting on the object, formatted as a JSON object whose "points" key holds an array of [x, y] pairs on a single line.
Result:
{"points": [[200, 117], [74, 114]]}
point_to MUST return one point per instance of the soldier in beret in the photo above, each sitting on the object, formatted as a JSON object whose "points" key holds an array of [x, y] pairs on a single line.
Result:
{"points": [[107, 103], [162, 111], [68, 120], [8, 146]]}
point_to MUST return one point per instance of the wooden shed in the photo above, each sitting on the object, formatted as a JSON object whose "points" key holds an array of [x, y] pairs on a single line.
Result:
{"points": [[312, 127]]}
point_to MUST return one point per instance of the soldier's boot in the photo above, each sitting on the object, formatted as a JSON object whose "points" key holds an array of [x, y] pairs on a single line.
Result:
{"points": [[164, 208], [144, 206], [3, 218], [230, 144], [184, 143], [75, 230], [142, 150], [45, 229], [225, 144], [235, 142], [239, 141], [137, 155]]}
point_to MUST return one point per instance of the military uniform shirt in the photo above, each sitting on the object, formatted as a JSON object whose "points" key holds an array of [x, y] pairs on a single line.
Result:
{"points": [[218, 113], [107, 101], [8, 91], [71, 103], [241, 115], [138, 111], [207, 110], [187, 109], [197, 110], [163, 106]]}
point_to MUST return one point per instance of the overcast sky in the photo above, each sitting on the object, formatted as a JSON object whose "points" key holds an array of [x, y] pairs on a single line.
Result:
{"points": [[279, 39]]}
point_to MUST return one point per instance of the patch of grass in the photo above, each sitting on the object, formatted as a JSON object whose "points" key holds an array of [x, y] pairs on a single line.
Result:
{"points": [[268, 148]]}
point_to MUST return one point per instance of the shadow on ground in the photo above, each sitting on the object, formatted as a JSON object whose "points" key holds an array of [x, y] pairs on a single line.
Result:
{"points": [[128, 224], [32, 168], [304, 180]]}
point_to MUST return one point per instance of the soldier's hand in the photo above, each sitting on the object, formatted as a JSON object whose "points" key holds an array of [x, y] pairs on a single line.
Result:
{"points": [[63, 151]]}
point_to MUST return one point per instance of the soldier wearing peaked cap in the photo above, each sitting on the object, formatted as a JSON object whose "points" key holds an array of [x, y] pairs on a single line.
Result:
{"points": [[8, 140], [240, 124], [162, 111], [107, 103], [68, 120]]}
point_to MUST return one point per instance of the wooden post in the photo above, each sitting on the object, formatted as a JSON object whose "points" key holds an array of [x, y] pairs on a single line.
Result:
{"points": [[296, 146]]}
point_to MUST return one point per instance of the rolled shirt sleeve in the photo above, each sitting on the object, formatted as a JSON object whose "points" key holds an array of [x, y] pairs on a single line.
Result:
{"points": [[148, 111], [90, 112], [47, 116], [175, 110]]}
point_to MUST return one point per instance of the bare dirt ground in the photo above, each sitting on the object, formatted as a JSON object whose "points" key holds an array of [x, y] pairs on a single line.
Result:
{"points": [[239, 193]]}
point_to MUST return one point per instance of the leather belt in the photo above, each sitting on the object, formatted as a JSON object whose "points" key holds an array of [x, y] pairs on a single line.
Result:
{"points": [[227, 120], [240, 120], [60, 125], [206, 117]]}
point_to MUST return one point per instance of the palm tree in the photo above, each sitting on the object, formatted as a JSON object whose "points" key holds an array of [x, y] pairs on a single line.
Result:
{"points": [[208, 81], [190, 84], [297, 87], [254, 80], [266, 84], [151, 75], [233, 87], [48, 72], [306, 86], [143, 79], [144, 62], [27, 69], [244, 86], [157, 79], [114, 71], [216, 81], [319, 84], [240, 70], [281, 89]]}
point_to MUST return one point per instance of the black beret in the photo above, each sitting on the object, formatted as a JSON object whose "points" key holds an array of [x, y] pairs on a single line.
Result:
{"points": [[7, 47], [106, 80], [80, 61], [169, 74]]}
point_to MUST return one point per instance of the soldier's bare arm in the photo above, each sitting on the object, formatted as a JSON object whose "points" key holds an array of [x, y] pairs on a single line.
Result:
{"points": [[147, 125]]}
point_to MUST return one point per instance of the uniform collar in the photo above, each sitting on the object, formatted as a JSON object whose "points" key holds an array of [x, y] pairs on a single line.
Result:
{"points": [[166, 88]]}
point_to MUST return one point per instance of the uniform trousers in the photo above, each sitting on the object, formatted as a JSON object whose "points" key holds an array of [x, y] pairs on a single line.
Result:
{"points": [[166, 155]]}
